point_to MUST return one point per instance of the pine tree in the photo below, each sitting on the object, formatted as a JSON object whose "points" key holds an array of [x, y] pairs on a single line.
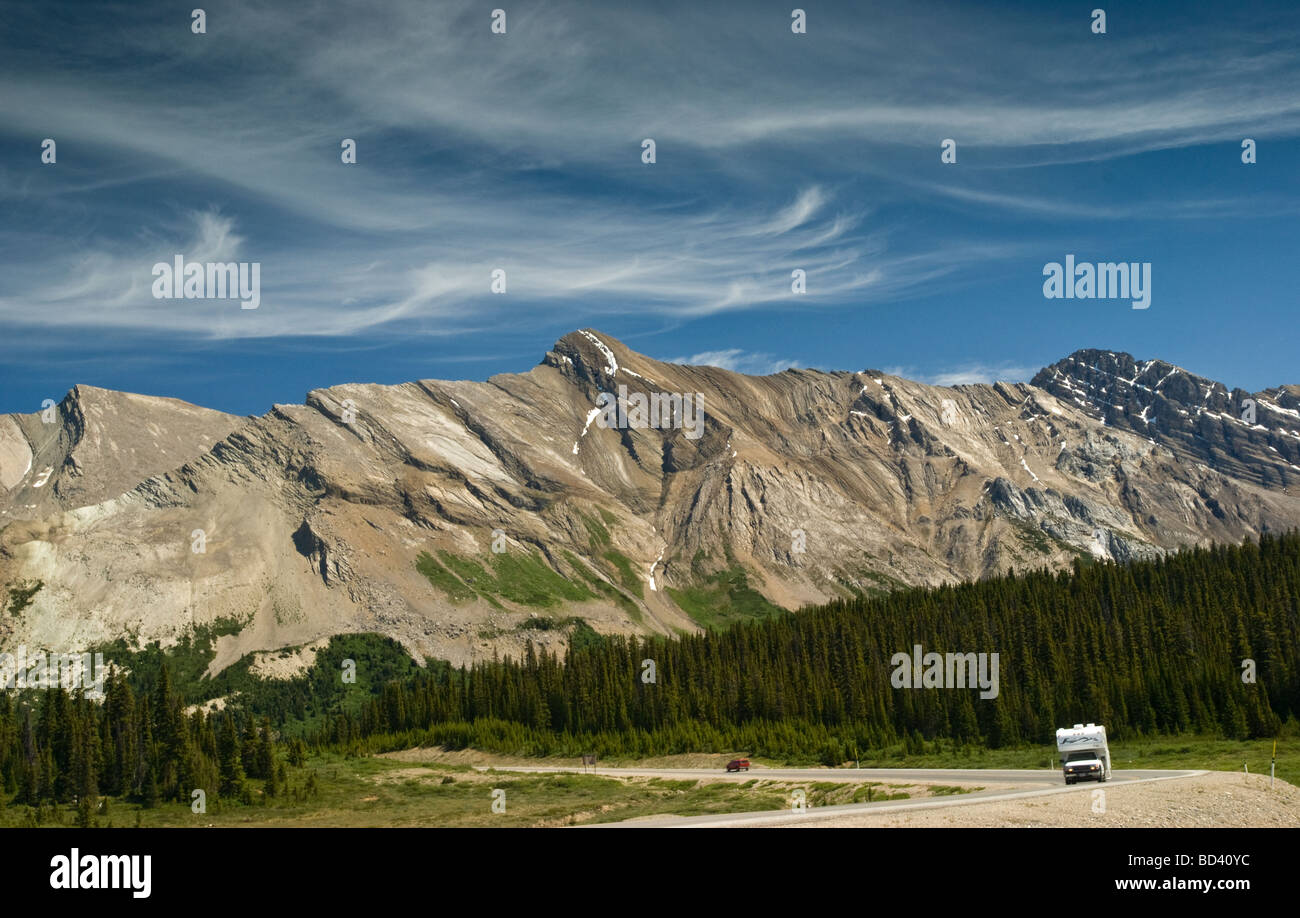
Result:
{"points": [[151, 795], [231, 764]]}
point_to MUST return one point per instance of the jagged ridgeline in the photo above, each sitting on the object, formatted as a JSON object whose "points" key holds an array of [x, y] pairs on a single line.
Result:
{"points": [[1145, 647], [452, 516]]}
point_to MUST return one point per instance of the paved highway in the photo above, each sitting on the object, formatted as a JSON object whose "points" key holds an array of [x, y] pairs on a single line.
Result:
{"points": [[997, 784]]}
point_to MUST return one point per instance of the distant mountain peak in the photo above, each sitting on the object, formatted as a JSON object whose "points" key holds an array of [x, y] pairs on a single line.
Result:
{"points": [[1251, 435]]}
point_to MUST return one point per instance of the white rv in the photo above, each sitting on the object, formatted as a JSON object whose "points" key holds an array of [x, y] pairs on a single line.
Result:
{"points": [[1084, 753]]}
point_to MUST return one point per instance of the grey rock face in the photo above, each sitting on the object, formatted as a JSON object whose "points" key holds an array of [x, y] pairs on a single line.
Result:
{"points": [[1253, 436], [145, 516]]}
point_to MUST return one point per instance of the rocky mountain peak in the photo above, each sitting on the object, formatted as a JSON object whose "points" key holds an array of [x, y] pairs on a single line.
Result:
{"points": [[589, 355], [1250, 435]]}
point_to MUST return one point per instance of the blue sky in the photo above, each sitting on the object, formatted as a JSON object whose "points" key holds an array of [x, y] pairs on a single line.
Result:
{"points": [[522, 151]]}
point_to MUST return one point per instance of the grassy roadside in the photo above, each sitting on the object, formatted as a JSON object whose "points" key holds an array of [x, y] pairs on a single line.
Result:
{"points": [[331, 790]]}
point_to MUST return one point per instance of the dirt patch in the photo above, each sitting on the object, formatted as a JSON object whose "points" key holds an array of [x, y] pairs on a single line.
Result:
{"points": [[574, 819], [286, 664], [211, 706], [431, 776], [475, 757]]}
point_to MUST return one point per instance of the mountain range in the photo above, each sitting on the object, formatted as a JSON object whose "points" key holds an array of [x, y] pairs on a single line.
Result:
{"points": [[466, 518]]}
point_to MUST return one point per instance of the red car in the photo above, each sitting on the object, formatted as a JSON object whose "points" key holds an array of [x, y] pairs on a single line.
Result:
{"points": [[738, 765]]}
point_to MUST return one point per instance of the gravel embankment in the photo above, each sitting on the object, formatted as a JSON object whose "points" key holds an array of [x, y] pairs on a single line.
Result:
{"points": [[1219, 799]]}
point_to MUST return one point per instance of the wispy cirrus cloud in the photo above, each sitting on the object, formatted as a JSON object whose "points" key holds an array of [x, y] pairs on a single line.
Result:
{"points": [[476, 163], [739, 361], [981, 373], [679, 264], [967, 373], [522, 152]]}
